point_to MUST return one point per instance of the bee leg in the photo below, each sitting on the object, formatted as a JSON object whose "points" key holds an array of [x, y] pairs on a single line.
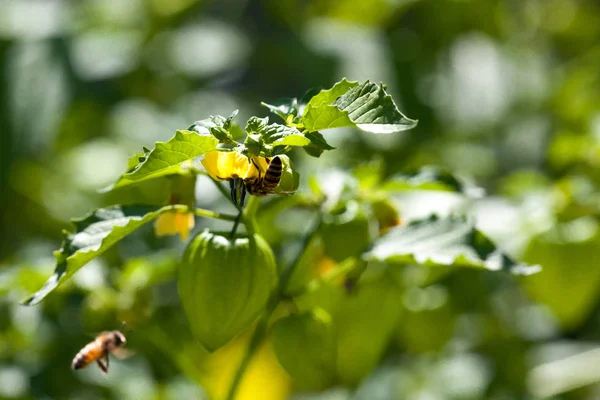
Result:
{"points": [[243, 195], [258, 167], [233, 192], [238, 191], [103, 364]]}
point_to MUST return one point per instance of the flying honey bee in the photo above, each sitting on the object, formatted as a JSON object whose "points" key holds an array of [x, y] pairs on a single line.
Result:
{"points": [[98, 350], [261, 185]]}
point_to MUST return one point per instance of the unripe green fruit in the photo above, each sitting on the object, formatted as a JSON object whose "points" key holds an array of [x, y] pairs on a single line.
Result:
{"points": [[305, 346], [224, 285]]}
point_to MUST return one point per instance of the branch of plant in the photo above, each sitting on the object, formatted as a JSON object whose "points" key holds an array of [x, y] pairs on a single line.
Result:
{"points": [[287, 273], [201, 212], [249, 215], [236, 223]]}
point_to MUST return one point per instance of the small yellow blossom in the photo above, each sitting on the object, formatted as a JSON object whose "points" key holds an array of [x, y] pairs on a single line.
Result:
{"points": [[224, 165], [174, 222]]}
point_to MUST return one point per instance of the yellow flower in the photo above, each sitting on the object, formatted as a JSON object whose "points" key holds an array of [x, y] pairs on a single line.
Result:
{"points": [[173, 222], [224, 165]]}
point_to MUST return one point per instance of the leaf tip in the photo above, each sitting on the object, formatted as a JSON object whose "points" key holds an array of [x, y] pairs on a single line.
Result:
{"points": [[28, 301], [106, 189]]}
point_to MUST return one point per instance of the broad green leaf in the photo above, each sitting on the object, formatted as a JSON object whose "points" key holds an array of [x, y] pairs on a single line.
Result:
{"points": [[451, 241], [321, 113], [217, 126], [366, 106], [167, 157], [93, 235], [373, 110], [329, 96], [431, 178]]}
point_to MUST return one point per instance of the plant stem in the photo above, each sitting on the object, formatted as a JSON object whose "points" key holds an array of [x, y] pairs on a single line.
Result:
{"points": [[249, 215], [287, 273], [201, 212], [235, 225]]}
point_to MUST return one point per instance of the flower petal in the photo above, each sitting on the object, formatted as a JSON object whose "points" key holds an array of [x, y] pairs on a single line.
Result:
{"points": [[174, 222], [223, 165]]}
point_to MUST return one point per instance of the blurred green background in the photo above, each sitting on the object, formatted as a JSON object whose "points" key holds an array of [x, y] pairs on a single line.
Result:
{"points": [[507, 92]]}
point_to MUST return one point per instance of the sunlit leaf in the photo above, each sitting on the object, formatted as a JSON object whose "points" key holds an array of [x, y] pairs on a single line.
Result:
{"points": [[451, 241], [93, 235], [317, 145], [431, 178], [167, 157], [289, 109], [321, 112], [284, 108], [366, 106], [263, 137], [217, 126]]}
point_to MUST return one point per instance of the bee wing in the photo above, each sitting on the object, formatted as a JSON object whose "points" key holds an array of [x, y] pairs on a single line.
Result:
{"points": [[122, 353]]}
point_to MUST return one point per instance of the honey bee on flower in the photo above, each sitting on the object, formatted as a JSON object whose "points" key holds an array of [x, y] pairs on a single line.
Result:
{"points": [[258, 176]]}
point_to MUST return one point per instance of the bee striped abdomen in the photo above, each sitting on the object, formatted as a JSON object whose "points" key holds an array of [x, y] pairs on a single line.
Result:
{"points": [[273, 174], [90, 353]]}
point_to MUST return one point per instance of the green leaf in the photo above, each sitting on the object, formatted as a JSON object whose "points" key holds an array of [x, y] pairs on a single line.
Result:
{"points": [[366, 106], [218, 126], [291, 107], [451, 241], [329, 96], [263, 137], [317, 145], [93, 235], [373, 110], [292, 139], [167, 158], [284, 108], [321, 112], [431, 178]]}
